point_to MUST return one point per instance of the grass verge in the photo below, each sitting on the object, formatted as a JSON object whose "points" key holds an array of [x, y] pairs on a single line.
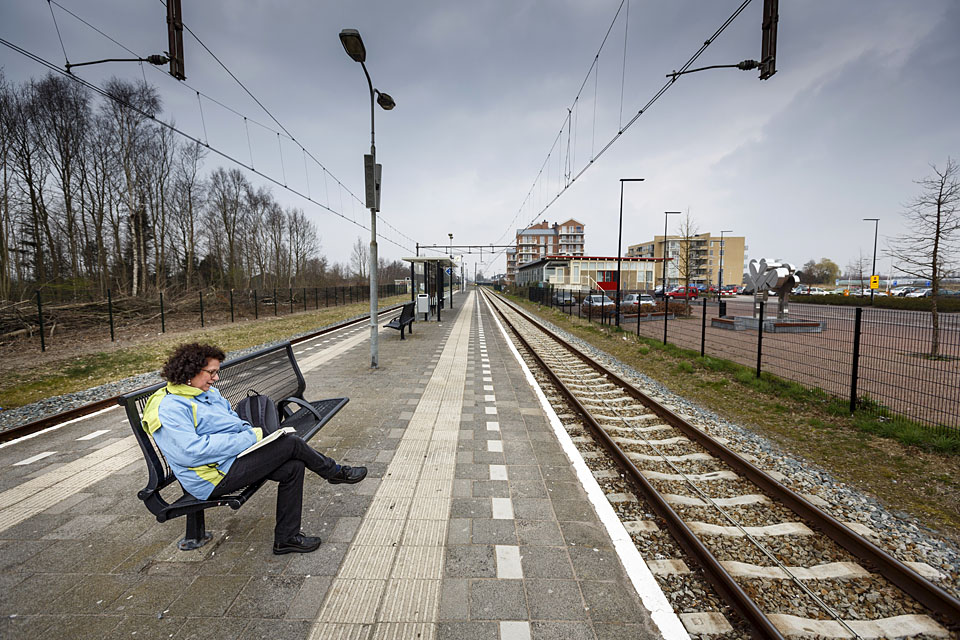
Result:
{"points": [[49, 375], [908, 467]]}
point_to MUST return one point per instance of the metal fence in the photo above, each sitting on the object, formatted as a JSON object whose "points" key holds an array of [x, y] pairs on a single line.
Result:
{"points": [[53, 315], [878, 360]]}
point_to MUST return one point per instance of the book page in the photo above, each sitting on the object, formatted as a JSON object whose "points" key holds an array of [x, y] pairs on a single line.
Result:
{"points": [[267, 440]]}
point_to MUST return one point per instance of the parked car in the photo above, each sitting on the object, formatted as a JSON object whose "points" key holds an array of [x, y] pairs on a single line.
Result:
{"points": [[631, 302], [564, 297], [902, 291], [809, 291], [920, 293], [680, 292], [595, 304]]}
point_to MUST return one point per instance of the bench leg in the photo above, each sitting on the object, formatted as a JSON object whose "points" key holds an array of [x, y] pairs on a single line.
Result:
{"points": [[401, 333], [197, 534]]}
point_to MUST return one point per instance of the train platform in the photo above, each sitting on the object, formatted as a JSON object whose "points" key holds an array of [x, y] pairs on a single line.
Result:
{"points": [[478, 519]]}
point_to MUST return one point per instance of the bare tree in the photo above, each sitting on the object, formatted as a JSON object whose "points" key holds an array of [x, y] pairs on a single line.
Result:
{"points": [[131, 108], [856, 268], [303, 243], [7, 248], [227, 191], [189, 188], [277, 233], [932, 244], [360, 258], [32, 172], [690, 256], [62, 115]]}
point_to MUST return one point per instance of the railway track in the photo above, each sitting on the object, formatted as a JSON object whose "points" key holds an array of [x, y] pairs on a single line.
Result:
{"points": [[99, 405], [777, 565]]}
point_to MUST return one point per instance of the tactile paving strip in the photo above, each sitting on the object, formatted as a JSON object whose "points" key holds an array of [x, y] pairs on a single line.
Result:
{"points": [[412, 502]]}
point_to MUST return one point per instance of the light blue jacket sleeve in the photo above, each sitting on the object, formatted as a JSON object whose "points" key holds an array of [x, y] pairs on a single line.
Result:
{"points": [[219, 435]]}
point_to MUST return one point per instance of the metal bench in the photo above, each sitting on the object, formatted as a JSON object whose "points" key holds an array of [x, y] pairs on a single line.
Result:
{"points": [[405, 318], [270, 372]]}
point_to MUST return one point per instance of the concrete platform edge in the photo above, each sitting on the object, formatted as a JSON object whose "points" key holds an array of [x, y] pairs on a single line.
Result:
{"points": [[642, 579]]}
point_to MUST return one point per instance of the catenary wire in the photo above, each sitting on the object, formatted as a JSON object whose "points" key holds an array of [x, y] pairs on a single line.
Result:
{"points": [[89, 85], [663, 89], [57, 27], [199, 93]]}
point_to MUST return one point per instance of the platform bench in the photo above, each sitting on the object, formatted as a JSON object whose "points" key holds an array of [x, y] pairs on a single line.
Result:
{"points": [[271, 372], [405, 318]]}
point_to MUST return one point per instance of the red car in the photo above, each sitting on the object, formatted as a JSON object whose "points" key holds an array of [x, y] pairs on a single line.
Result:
{"points": [[678, 292]]}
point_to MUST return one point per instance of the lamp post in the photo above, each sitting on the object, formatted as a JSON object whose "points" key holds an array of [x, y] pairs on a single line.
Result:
{"points": [[666, 215], [353, 45], [720, 283], [450, 254], [619, 243], [873, 272]]}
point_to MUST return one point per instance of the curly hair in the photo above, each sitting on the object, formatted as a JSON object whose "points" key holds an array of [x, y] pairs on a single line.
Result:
{"points": [[187, 361]]}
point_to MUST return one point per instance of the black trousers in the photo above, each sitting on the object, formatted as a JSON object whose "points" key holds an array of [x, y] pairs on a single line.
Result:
{"points": [[282, 461]]}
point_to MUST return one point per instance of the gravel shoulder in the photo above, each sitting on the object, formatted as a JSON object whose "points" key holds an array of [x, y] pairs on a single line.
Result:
{"points": [[908, 496]]}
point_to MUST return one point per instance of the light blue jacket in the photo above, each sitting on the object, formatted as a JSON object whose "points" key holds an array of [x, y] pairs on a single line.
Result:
{"points": [[199, 434]]}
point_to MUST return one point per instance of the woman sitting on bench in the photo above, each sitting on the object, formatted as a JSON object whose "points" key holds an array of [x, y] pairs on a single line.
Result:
{"points": [[200, 435]]}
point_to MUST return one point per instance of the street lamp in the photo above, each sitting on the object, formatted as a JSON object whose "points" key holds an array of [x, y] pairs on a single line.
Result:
{"points": [[663, 290], [619, 243], [450, 254], [353, 45], [876, 225], [720, 284]]}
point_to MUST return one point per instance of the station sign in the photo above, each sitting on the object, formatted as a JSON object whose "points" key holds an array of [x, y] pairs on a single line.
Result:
{"points": [[874, 282]]}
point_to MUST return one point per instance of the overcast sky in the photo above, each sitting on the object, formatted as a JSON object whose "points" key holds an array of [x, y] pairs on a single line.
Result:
{"points": [[865, 97]]}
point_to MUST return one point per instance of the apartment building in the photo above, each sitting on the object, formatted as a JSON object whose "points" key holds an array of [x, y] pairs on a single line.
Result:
{"points": [[703, 258], [542, 239], [587, 273]]}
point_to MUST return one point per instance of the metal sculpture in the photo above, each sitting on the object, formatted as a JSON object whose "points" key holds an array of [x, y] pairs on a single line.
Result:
{"points": [[769, 275]]}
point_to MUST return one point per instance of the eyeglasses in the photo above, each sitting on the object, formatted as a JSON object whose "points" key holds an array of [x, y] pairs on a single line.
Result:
{"points": [[214, 373]]}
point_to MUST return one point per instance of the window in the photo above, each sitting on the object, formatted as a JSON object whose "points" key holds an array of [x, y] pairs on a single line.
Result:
{"points": [[579, 229]]}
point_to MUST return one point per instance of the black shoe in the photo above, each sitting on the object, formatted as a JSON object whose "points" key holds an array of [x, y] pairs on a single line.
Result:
{"points": [[297, 544], [348, 475]]}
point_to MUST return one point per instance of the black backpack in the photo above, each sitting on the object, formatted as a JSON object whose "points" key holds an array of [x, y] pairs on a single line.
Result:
{"points": [[259, 411]]}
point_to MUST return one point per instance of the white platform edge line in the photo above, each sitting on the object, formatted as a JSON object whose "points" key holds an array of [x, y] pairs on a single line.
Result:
{"points": [[640, 575], [58, 426]]}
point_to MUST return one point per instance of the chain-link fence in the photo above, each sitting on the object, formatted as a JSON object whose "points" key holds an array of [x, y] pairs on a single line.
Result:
{"points": [[54, 315], [892, 362]]}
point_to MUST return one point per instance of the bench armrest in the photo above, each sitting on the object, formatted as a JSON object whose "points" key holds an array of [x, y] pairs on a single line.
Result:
{"points": [[300, 403]]}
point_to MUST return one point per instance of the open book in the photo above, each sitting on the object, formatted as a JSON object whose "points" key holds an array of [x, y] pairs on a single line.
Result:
{"points": [[270, 438]]}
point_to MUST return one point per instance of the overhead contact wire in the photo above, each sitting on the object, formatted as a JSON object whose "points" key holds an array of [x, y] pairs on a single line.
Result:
{"points": [[53, 67]]}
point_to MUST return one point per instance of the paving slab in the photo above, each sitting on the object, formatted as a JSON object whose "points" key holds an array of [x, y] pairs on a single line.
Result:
{"points": [[472, 522]]}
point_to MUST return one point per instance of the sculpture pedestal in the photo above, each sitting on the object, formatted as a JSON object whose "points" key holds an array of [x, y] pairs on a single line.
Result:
{"points": [[770, 325]]}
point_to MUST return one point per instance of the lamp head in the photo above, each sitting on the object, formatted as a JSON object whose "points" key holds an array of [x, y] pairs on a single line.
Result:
{"points": [[385, 101], [353, 45]]}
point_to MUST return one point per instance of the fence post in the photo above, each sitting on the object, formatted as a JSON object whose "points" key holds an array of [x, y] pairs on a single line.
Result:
{"points": [[231, 305], [855, 367], [274, 301], [201, 309], [163, 320], [760, 339], [304, 298], [326, 297], [43, 345], [666, 312], [703, 328], [110, 312], [291, 299], [316, 299], [256, 306]]}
